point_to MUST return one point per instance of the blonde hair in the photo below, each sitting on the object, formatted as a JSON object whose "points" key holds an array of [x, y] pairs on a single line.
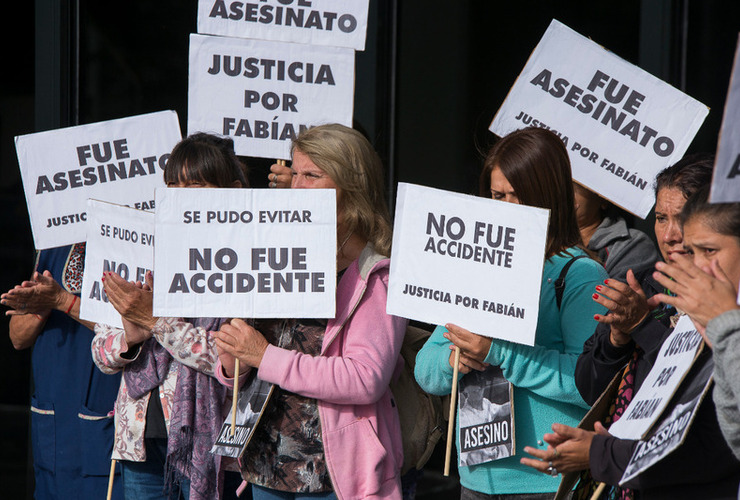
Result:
{"points": [[349, 159]]}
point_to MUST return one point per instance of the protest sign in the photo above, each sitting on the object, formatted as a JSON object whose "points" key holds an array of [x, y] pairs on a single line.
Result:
{"points": [[671, 431], [486, 417], [263, 93], [337, 23], [245, 253], [120, 161], [726, 177], [466, 260], [620, 124], [252, 399], [677, 354], [119, 239]]}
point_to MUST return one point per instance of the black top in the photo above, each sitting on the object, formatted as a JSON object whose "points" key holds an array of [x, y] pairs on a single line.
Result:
{"points": [[703, 466]]}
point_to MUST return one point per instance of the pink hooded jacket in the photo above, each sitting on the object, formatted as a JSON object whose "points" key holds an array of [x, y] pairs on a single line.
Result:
{"points": [[350, 381]]}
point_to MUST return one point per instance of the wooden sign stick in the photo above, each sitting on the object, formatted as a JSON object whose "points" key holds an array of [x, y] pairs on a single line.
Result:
{"points": [[599, 491], [453, 403], [110, 479], [235, 395]]}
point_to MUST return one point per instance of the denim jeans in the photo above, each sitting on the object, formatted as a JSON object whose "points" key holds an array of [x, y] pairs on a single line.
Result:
{"points": [[145, 480], [260, 493]]}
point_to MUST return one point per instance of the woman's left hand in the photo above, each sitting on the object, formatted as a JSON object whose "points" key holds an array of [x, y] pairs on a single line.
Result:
{"points": [[471, 344], [240, 340], [568, 450], [702, 293]]}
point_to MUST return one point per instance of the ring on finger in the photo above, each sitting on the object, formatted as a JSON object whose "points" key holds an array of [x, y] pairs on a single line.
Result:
{"points": [[555, 454]]}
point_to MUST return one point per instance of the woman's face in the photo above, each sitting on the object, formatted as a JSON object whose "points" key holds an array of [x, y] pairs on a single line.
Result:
{"points": [[588, 206], [706, 245], [306, 175], [181, 182], [668, 205], [501, 189]]}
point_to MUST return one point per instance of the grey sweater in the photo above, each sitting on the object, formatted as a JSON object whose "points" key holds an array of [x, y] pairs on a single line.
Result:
{"points": [[724, 334], [621, 248]]}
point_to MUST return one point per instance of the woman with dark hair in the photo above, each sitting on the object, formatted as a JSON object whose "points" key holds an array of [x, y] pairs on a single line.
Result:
{"points": [[170, 406], [331, 429], [628, 341], [530, 167], [705, 284]]}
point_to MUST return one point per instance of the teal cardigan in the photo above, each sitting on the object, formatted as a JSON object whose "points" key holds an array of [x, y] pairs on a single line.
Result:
{"points": [[543, 375]]}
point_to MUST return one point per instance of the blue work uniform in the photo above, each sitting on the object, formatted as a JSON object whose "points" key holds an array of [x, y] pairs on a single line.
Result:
{"points": [[72, 403]]}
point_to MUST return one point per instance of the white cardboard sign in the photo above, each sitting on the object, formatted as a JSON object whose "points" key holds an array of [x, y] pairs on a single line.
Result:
{"points": [[120, 161], [336, 23], [119, 239], [676, 356], [245, 253], [263, 93], [726, 178], [620, 124], [466, 260]]}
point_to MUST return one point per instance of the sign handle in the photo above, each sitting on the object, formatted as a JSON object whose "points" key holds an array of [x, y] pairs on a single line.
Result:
{"points": [[453, 403], [234, 397], [599, 491], [110, 479]]}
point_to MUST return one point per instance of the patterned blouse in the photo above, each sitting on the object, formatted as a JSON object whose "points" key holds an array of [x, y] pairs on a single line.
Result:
{"points": [[286, 452]]}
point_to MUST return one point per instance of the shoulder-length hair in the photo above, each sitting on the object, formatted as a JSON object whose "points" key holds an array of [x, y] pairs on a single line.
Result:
{"points": [[349, 159], [536, 164], [207, 158]]}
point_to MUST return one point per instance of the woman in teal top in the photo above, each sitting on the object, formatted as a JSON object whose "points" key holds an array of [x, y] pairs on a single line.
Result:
{"points": [[529, 166]]}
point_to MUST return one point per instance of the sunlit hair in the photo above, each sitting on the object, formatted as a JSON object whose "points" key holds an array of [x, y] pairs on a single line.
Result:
{"points": [[688, 175], [206, 158], [536, 164], [349, 159], [722, 218]]}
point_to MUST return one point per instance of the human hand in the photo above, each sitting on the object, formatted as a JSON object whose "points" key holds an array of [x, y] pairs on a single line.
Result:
{"points": [[703, 293], [241, 341], [465, 363], [131, 300], [568, 450], [473, 347], [39, 295], [628, 307], [280, 176], [135, 334]]}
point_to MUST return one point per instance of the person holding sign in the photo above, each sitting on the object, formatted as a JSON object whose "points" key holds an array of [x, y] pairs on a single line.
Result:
{"points": [[627, 344], [705, 287], [330, 429], [605, 232], [72, 404], [170, 405], [529, 166]]}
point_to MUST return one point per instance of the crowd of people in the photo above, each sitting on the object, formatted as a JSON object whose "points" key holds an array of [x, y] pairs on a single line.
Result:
{"points": [[154, 394]]}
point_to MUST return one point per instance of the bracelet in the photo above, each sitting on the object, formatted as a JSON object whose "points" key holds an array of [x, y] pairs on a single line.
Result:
{"points": [[74, 299]]}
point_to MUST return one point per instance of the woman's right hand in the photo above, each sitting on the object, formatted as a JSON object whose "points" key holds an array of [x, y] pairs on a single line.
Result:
{"points": [[133, 301], [628, 307], [39, 295]]}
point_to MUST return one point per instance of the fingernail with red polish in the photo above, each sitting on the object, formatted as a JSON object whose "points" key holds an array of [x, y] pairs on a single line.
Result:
{"points": [[606, 282], [595, 296], [596, 317], [598, 288]]}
